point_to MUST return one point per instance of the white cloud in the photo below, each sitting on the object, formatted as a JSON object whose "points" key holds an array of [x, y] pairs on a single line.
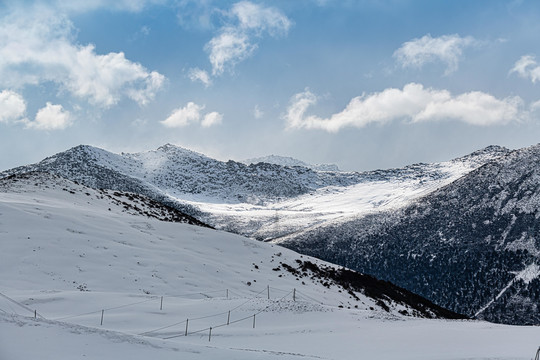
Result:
{"points": [[257, 112], [228, 48], [236, 40], [211, 119], [255, 17], [197, 74], [51, 117], [414, 103], [191, 114], [12, 106], [527, 67], [447, 49], [37, 45]]}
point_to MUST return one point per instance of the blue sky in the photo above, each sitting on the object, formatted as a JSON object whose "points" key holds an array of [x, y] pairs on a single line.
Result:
{"points": [[362, 84]]}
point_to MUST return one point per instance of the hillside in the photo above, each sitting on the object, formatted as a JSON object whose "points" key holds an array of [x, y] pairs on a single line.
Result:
{"points": [[108, 281], [262, 200], [471, 246], [92, 250]]}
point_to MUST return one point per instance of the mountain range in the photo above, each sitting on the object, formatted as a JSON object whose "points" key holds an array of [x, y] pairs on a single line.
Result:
{"points": [[460, 233], [262, 200]]}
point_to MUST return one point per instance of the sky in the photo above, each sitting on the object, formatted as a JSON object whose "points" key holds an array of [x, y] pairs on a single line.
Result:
{"points": [[362, 84]]}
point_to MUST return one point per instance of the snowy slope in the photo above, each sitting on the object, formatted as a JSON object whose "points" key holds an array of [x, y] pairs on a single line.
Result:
{"points": [[260, 200], [70, 252]]}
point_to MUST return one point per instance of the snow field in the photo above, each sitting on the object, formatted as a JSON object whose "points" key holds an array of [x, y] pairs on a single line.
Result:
{"points": [[69, 257]]}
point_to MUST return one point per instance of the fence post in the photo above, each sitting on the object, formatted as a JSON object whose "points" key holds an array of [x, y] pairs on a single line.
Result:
{"points": [[102, 312], [254, 320], [210, 333], [294, 294], [161, 305], [229, 317], [268, 291], [35, 314], [227, 294], [187, 322]]}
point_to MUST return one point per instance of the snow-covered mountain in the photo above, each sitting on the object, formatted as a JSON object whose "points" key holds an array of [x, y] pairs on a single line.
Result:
{"points": [[121, 232], [100, 268], [260, 200], [471, 246], [289, 161]]}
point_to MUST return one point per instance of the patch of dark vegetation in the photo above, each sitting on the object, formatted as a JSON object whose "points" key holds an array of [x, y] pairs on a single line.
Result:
{"points": [[152, 208], [383, 292]]}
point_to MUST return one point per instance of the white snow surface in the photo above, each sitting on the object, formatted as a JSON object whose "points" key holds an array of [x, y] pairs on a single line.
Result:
{"points": [[69, 253], [327, 204]]}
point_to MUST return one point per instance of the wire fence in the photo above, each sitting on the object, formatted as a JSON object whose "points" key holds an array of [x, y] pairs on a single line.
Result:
{"points": [[296, 295], [209, 328]]}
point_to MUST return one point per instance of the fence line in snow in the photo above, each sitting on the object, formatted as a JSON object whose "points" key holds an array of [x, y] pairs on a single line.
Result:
{"points": [[295, 295]]}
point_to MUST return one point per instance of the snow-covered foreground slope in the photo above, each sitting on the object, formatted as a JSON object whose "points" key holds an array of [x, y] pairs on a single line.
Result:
{"points": [[109, 284], [337, 335]]}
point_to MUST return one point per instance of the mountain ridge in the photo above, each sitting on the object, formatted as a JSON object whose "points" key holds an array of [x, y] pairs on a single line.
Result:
{"points": [[465, 246], [289, 161], [249, 199]]}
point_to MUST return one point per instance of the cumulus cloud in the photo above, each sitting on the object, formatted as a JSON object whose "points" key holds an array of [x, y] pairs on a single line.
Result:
{"points": [[191, 114], [197, 74], [447, 49], [51, 117], [12, 106], [236, 40], [211, 119], [38, 46], [527, 68], [181, 117], [414, 103]]}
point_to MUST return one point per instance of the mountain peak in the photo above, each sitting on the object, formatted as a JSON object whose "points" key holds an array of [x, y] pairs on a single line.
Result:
{"points": [[178, 150], [484, 155], [289, 161]]}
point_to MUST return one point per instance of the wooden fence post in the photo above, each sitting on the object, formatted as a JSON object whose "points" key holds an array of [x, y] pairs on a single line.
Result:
{"points": [[294, 294], [210, 333], [187, 322], [102, 312], [229, 317], [254, 320], [161, 305]]}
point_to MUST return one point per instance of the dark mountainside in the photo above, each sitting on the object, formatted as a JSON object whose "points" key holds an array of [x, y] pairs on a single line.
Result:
{"points": [[471, 246]]}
